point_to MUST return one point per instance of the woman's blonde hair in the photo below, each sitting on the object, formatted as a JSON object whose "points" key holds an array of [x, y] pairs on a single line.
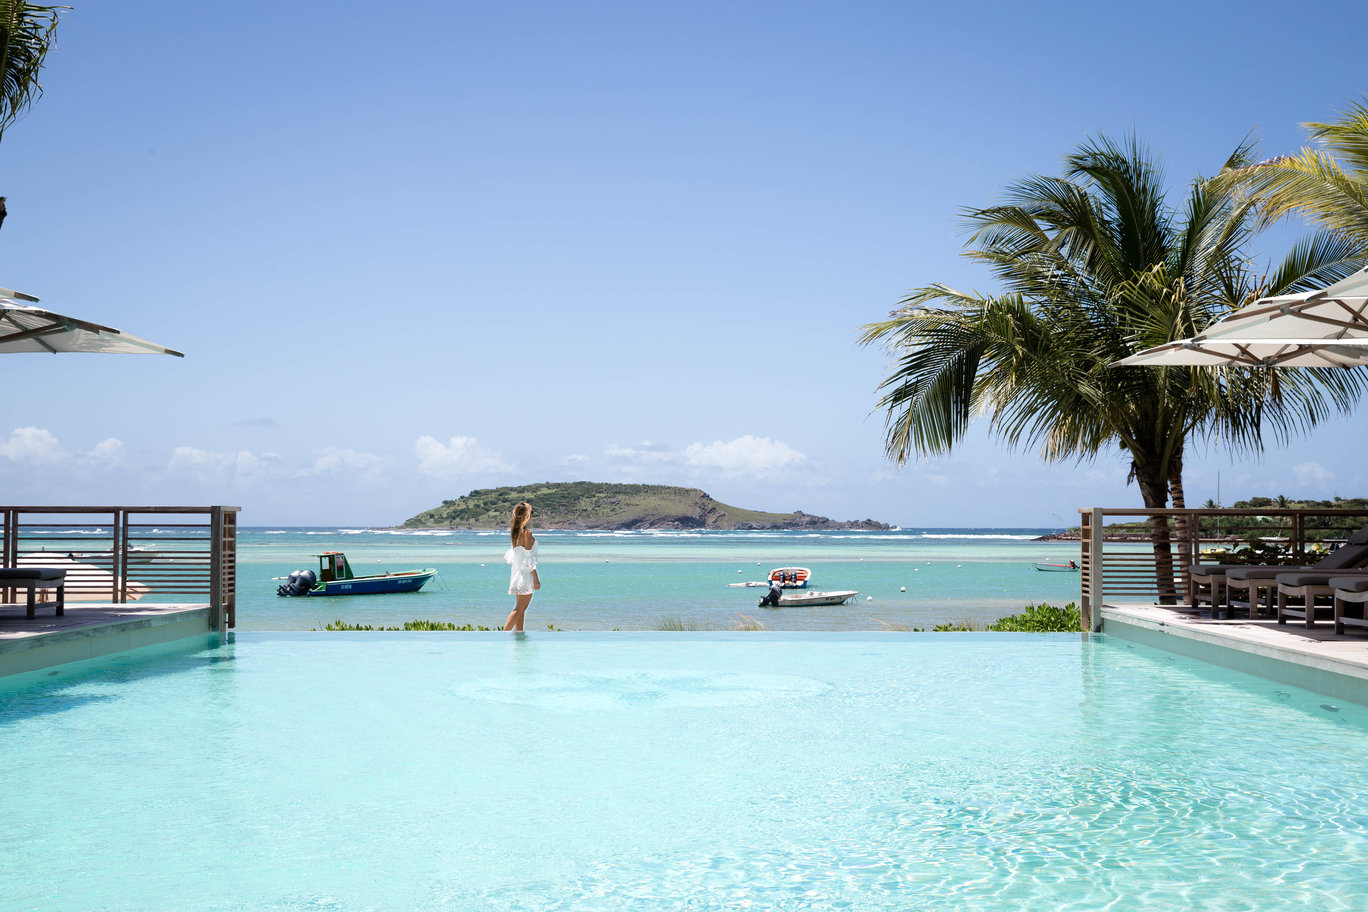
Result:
{"points": [[522, 513]]}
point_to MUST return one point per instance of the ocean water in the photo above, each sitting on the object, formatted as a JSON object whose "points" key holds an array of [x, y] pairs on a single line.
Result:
{"points": [[648, 580], [585, 772]]}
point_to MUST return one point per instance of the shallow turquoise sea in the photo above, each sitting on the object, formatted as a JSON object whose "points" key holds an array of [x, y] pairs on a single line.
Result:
{"points": [[646, 580]]}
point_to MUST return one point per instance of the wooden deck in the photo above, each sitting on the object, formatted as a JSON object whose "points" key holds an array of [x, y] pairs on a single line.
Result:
{"points": [[89, 630], [1312, 658]]}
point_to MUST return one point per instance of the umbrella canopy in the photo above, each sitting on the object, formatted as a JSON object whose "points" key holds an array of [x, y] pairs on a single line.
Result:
{"points": [[24, 328], [1325, 328], [1225, 352], [1338, 311]]}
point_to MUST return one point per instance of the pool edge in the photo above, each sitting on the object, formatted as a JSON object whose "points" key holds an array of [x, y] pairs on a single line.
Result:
{"points": [[1321, 674]]}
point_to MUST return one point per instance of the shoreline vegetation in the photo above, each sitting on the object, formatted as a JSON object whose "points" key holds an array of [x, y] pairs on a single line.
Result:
{"points": [[587, 505], [1042, 618], [1252, 528]]}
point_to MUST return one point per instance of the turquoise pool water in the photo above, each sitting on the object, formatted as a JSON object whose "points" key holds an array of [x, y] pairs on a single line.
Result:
{"points": [[598, 771]]}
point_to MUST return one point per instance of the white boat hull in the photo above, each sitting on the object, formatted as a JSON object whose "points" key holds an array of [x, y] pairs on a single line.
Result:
{"points": [[814, 598]]}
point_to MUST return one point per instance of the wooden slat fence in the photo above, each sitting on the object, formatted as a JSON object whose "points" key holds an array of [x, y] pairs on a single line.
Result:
{"points": [[1138, 570], [119, 554]]}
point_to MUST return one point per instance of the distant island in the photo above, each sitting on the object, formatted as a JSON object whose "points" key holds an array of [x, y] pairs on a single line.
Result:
{"points": [[591, 505]]}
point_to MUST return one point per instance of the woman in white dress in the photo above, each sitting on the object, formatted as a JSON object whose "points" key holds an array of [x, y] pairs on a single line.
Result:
{"points": [[523, 557]]}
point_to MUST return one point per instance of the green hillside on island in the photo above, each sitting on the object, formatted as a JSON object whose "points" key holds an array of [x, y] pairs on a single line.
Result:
{"points": [[591, 505]]}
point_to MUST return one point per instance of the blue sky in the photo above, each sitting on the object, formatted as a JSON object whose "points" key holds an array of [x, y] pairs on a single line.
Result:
{"points": [[414, 250]]}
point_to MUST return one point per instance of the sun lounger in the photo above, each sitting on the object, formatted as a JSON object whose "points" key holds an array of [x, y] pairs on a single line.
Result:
{"points": [[32, 578], [1206, 583], [1350, 591], [1309, 585], [1257, 581]]}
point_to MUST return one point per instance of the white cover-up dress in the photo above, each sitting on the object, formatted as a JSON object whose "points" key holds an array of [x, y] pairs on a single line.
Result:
{"points": [[524, 561]]}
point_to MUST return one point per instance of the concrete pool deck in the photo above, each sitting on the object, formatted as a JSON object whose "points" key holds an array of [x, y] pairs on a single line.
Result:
{"points": [[89, 630], [1312, 658]]}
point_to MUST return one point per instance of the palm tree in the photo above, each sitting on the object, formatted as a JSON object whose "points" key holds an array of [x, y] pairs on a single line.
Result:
{"points": [[26, 32], [1327, 186], [1095, 266]]}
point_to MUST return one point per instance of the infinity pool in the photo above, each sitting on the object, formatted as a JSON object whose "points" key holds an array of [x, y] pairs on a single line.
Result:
{"points": [[660, 771]]}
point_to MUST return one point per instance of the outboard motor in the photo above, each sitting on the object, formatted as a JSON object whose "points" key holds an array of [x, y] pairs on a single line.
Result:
{"points": [[299, 583]]}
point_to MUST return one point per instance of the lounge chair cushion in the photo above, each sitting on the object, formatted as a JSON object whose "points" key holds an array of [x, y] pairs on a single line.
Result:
{"points": [[1349, 583], [31, 573], [1211, 569], [1353, 553], [1315, 577], [1261, 572]]}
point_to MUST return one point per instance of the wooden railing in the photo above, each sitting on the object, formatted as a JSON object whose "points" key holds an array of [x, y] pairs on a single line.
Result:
{"points": [[1141, 570], [119, 554]]}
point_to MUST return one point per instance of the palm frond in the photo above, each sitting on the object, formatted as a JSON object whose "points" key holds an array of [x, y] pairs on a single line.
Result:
{"points": [[1316, 261], [26, 32], [1094, 265], [1347, 138]]}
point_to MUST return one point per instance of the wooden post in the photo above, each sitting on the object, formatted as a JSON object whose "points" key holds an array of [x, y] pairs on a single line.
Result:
{"points": [[121, 555], [1095, 577], [10, 547], [216, 568], [228, 586]]}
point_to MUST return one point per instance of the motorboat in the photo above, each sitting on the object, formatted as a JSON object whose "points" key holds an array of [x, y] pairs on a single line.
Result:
{"points": [[1070, 567], [335, 577], [791, 577], [814, 597]]}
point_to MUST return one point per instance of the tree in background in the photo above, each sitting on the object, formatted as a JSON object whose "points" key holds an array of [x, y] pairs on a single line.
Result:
{"points": [[1095, 265], [26, 33]]}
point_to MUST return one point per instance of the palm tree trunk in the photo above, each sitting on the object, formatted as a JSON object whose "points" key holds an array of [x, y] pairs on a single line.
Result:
{"points": [[1154, 490], [1182, 526]]}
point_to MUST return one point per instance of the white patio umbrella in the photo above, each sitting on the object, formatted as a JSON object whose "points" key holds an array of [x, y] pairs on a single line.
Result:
{"points": [[1226, 352], [1338, 311], [1325, 328], [24, 328]]}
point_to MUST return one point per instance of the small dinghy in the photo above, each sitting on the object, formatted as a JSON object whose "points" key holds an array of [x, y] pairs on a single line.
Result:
{"points": [[791, 577], [1070, 567]]}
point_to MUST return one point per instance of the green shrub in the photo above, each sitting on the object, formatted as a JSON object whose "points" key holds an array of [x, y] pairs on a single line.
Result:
{"points": [[678, 623], [408, 625], [1041, 618]]}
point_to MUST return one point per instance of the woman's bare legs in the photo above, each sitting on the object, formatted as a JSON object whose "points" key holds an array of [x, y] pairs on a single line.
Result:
{"points": [[515, 617]]}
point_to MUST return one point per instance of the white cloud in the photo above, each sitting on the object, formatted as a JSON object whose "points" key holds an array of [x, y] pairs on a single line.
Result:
{"points": [[463, 456], [39, 448], [646, 453], [1312, 473], [33, 446], [747, 455], [242, 468], [338, 461], [107, 454]]}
